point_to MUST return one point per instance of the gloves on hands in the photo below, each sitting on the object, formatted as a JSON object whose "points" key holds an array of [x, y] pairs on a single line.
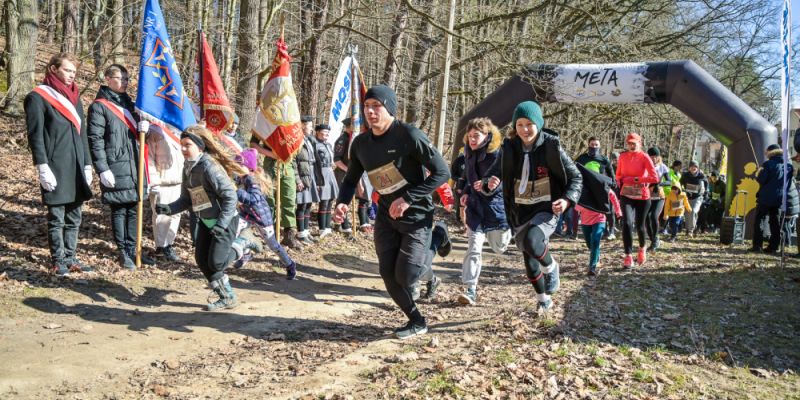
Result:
{"points": [[217, 231], [143, 126], [163, 209], [87, 174], [107, 179], [46, 178]]}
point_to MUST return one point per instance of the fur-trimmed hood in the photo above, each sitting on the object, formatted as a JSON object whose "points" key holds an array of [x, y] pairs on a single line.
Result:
{"points": [[776, 152]]}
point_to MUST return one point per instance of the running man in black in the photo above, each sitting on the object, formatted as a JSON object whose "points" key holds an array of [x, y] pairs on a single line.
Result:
{"points": [[395, 156]]}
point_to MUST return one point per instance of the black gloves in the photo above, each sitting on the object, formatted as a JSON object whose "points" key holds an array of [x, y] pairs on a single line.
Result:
{"points": [[217, 231]]}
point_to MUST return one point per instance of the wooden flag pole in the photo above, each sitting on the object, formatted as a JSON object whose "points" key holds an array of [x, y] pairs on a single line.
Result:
{"points": [[140, 204], [278, 173]]}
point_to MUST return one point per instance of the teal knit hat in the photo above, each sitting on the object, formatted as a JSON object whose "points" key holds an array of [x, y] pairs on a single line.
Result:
{"points": [[529, 110]]}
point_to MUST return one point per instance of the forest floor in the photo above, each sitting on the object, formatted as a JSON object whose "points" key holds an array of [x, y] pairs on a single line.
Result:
{"points": [[699, 321]]}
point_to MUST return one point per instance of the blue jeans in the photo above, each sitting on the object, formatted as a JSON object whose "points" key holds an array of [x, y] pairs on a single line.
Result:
{"points": [[674, 225], [593, 235]]}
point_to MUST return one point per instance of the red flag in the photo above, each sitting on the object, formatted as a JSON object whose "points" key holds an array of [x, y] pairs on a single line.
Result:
{"points": [[214, 105], [277, 120]]}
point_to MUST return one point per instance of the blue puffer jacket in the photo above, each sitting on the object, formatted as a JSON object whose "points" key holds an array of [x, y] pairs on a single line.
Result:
{"points": [[770, 178], [485, 209]]}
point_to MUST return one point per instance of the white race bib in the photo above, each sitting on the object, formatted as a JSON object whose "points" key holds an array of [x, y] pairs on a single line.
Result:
{"points": [[386, 179], [534, 193], [200, 199]]}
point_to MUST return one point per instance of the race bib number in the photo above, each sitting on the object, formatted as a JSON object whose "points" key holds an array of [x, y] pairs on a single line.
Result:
{"points": [[632, 191], [386, 179], [200, 199], [534, 193], [676, 205], [715, 196], [692, 188]]}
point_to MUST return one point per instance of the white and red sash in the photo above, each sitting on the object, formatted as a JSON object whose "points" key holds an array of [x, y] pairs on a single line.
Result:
{"points": [[126, 117], [61, 104], [121, 113]]}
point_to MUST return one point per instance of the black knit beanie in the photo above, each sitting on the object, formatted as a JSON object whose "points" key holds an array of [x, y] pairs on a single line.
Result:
{"points": [[385, 95], [196, 139], [654, 151]]}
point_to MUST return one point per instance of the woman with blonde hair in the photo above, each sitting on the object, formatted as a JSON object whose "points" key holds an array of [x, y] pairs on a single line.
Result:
{"points": [[483, 201], [209, 192]]}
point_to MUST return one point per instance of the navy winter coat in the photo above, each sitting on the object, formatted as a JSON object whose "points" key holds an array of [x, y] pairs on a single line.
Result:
{"points": [[485, 209], [770, 178]]}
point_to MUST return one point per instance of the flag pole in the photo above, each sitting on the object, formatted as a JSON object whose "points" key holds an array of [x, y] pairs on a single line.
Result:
{"points": [[140, 204], [279, 167], [354, 91]]}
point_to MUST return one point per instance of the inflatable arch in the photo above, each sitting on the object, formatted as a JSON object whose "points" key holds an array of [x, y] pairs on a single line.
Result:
{"points": [[683, 84]]}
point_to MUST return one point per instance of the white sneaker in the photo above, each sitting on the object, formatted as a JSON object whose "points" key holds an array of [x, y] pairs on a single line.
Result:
{"points": [[324, 232]]}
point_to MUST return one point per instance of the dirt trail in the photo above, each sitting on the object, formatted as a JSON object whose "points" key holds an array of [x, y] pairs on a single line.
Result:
{"points": [[79, 339]]}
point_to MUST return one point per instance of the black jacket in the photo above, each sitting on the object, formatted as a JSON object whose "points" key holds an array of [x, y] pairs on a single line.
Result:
{"points": [[409, 153], [547, 158], [219, 188], [605, 163], [55, 141], [114, 147]]}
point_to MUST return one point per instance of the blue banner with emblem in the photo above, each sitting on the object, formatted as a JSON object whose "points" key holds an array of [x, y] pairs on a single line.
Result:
{"points": [[160, 97]]}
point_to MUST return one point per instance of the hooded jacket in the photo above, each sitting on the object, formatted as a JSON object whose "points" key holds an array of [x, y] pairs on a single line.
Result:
{"points": [[547, 159], [485, 210], [114, 147], [770, 178]]}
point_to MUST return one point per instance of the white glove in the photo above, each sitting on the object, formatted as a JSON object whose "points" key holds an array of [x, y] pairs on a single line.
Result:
{"points": [[87, 173], [107, 179], [46, 178], [143, 126]]}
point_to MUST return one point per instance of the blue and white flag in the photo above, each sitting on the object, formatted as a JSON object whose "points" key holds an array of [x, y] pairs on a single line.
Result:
{"points": [[340, 98], [161, 98], [786, 107]]}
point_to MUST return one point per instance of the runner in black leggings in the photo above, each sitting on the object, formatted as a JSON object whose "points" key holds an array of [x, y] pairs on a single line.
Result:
{"points": [[656, 198], [539, 182], [635, 173]]}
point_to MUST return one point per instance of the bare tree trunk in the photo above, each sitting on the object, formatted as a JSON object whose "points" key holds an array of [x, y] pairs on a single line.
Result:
{"points": [[227, 58], [188, 40], [269, 8], [309, 83], [71, 19], [445, 82], [425, 43], [22, 32], [52, 11], [117, 31], [246, 87], [398, 29]]}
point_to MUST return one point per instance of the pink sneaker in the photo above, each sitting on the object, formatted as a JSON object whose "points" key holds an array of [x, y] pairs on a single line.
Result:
{"points": [[628, 262], [642, 256]]}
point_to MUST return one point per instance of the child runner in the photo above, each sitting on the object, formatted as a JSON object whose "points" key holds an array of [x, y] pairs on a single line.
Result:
{"points": [[254, 210], [635, 173], [208, 191], [593, 225], [483, 199], [677, 203], [540, 181]]}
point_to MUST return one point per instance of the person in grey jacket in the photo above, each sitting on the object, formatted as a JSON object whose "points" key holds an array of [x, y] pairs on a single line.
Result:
{"points": [[112, 134], [208, 191]]}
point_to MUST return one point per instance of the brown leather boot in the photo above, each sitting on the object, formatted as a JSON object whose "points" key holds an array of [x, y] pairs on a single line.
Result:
{"points": [[289, 239]]}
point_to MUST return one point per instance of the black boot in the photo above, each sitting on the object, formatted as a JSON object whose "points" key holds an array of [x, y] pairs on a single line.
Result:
{"points": [[126, 262]]}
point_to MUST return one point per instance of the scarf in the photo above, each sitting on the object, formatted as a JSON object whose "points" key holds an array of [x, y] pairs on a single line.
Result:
{"points": [[70, 92]]}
